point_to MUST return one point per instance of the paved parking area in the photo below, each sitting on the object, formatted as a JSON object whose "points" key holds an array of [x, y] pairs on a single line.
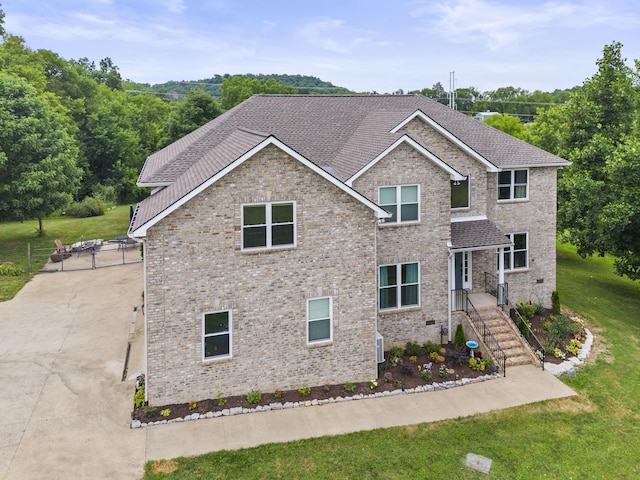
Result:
{"points": [[64, 408]]}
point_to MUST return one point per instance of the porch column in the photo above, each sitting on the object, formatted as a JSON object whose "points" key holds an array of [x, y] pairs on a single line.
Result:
{"points": [[500, 265]]}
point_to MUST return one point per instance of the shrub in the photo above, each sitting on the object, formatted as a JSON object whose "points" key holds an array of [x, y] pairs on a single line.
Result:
{"points": [[254, 396], [412, 348], [459, 339], [10, 269], [304, 390], [150, 412], [434, 356], [555, 302], [396, 352], [89, 207], [430, 347], [560, 328], [527, 310], [349, 387], [166, 412], [138, 397]]}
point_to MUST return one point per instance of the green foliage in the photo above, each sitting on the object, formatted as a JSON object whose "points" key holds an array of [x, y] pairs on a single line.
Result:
{"points": [[459, 338], [166, 412], [304, 390], [10, 269], [254, 396], [221, 401], [138, 397], [412, 348], [555, 303], [89, 207], [396, 352], [426, 375], [574, 346], [430, 347], [560, 328], [238, 88], [192, 112], [528, 310], [349, 387], [506, 123], [150, 412]]}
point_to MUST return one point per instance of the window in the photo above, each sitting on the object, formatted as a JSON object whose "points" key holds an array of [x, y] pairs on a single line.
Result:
{"points": [[513, 185], [401, 202], [268, 225], [217, 334], [517, 256], [399, 286], [319, 320], [460, 193]]}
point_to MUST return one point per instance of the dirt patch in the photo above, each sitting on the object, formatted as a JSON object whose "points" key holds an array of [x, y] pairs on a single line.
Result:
{"points": [[164, 466]]}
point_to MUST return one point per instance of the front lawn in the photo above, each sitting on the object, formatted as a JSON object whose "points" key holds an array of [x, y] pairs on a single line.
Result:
{"points": [[593, 435]]}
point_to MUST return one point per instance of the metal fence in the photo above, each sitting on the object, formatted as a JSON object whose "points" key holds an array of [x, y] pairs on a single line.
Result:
{"points": [[86, 255]]}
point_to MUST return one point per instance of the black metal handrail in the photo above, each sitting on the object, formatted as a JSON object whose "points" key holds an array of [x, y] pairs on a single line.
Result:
{"points": [[487, 337], [459, 300], [529, 336], [495, 289]]}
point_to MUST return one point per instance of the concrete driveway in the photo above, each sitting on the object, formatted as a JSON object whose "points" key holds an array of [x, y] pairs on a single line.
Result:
{"points": [[64, 409]]}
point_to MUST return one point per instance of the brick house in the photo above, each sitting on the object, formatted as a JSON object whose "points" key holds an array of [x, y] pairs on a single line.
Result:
{"points": [[286, 236]]}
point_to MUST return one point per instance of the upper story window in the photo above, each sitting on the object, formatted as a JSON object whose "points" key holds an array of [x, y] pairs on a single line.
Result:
{"points": [[517, 256], [268, 225], [217, 334], [401, 201], [319, 320], [513, 185], [460, 193], [399, 285]]}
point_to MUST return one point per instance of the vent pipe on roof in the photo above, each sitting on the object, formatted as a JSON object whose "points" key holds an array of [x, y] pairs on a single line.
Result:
{"points": [[452, 91]]}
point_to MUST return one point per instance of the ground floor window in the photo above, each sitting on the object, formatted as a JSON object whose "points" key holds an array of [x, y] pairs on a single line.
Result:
{"points": [[319, 319], [399, 285], [217, 334]]}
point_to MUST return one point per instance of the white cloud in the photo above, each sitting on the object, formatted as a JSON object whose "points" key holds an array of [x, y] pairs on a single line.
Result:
{"points": [[332, 35], [176, 6]]}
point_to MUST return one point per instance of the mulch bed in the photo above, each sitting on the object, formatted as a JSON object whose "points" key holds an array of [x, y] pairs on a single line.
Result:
{"points": [[405, 373]]}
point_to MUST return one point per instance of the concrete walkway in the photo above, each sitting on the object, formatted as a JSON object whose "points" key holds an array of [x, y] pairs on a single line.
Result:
{"points": [[66, 411]]}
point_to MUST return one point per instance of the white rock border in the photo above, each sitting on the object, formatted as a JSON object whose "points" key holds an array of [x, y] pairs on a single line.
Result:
{"points": [[227, 412], [568, 367]]}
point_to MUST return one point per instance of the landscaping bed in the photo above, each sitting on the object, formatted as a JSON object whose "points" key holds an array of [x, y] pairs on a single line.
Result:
{"points": [[403, 369]]}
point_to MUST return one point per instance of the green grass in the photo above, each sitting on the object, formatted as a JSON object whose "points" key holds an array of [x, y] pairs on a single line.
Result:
{"points": [[16, 236], [594, 435]]}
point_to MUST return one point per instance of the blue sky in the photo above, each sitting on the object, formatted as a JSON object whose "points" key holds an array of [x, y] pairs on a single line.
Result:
{"points": [[368, 45]]}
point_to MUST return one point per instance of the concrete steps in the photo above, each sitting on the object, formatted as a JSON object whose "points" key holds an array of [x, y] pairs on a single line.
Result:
{"points": [[508, 337]]}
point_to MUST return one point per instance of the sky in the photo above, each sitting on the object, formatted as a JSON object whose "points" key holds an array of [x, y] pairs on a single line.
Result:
{"points": [[363, 45]]}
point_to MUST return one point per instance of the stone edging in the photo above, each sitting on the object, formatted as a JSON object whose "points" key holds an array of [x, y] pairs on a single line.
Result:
{"points": [[310, 403], [568, 367]]}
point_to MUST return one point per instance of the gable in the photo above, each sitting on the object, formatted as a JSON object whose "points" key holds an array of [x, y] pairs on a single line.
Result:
{"points": [[198, 178]]}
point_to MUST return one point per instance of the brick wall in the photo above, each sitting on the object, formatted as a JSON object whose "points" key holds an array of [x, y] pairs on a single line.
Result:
{"points": [[195, 265]]}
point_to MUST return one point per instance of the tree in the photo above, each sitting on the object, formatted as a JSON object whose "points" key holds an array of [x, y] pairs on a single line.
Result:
{"points": [[2, 30], [598, 129], [38, 170], [507, 123], [192, 112], [236, 89]]}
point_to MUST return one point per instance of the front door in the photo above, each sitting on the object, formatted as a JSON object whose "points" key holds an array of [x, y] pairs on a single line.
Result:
{"points": [[462, 271]]}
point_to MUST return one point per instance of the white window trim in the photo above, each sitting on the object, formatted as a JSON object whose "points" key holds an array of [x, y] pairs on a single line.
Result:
{"points": [[399, 287], [398, 203], [512, 250], [512, 186], [268, 224], [468, 196], [204, 336], [324, 340]]}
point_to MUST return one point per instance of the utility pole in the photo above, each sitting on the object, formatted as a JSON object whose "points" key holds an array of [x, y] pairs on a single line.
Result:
{"points": [[452, 91]]}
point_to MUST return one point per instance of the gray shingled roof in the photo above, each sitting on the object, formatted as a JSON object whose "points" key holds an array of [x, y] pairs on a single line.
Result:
{"points": [[476, 234], [342, 134]]}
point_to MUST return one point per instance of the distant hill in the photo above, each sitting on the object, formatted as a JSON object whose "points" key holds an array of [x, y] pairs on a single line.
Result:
{"points": [[302, 83]]}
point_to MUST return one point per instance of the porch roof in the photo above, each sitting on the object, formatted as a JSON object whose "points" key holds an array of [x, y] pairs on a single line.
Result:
{"points": [[477, 235]]}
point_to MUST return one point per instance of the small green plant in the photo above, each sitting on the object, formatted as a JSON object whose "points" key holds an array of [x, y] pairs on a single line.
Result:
{"points": [[373, 384], [395, 354], [304, 390], [193, 405], [326, 387], [349, 387], [430, 347], [413, 359], [555, 303], [221, 401], [426, 375], [10, 269], [559, 354], [561, 328], [166, 412], [434, 356], [442, 371], [278, 393], [138, 397], [254, 396], [527, 309], [150, 412], [397, 383], [412, 348], [574, 346], [477, 364], [459, 339]]}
